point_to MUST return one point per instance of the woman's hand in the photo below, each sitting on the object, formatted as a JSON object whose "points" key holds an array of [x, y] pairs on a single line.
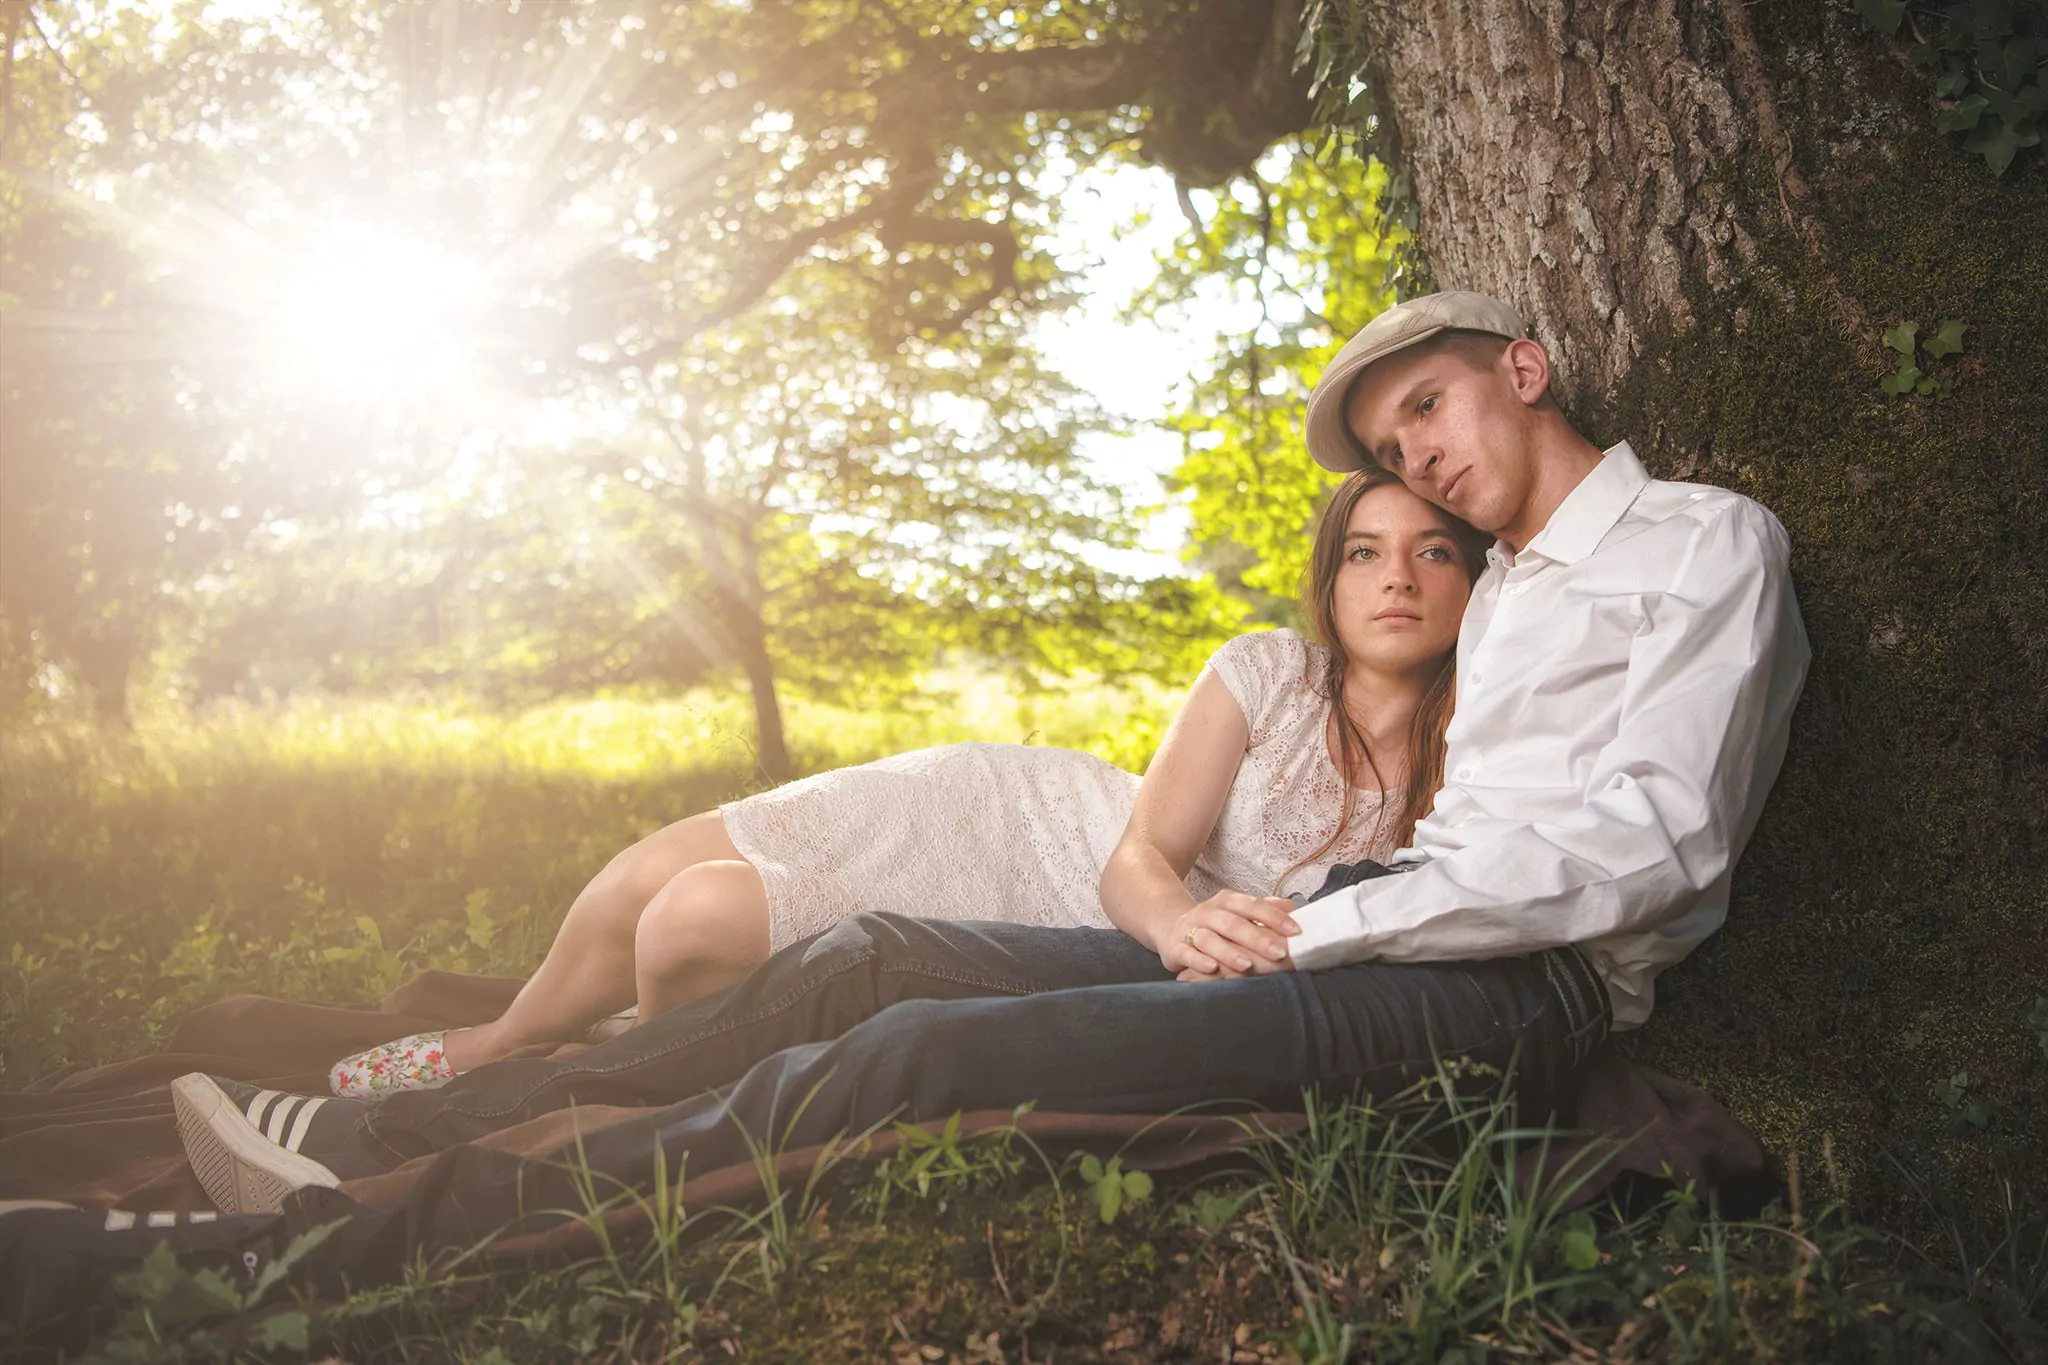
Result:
{"points": [[1229, 935]]}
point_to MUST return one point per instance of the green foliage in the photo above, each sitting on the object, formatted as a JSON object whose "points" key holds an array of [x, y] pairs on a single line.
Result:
{"points": [[1907, 377], [1970, 1114], [807, 438], [167, 1309], [1991, 63], [940, 1167], [1310, 260], [1111, 1187]]}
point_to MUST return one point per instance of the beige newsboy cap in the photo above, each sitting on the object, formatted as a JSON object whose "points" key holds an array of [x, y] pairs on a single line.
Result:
{"points": [[1329, 439]]}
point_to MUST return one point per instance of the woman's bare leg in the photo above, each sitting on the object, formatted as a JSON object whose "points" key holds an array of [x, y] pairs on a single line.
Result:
{"points": [[589, 971], [705, 930]]}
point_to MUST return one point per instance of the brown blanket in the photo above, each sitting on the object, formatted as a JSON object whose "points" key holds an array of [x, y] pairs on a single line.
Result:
{"points": [[102, 1137]]}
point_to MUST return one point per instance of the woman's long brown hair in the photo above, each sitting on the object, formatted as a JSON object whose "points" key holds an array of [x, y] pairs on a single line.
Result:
{"points": [[1425, 771]]}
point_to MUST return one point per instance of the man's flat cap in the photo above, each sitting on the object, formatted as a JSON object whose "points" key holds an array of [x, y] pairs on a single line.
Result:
{"points": [[1329, 439]]}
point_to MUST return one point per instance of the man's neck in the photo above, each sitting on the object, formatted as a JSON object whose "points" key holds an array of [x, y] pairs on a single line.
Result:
{"points": [[1562, 460]]}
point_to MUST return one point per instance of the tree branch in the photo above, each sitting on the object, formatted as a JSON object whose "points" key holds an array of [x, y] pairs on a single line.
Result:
{"points": [[14, 17]]}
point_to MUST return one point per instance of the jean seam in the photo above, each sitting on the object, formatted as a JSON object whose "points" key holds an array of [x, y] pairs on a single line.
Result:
{"points": [[366, 1129], [780, 1005]]}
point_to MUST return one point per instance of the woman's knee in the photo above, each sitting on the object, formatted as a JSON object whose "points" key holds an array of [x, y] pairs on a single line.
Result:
{"points": [[708, 914], [644, 869]]}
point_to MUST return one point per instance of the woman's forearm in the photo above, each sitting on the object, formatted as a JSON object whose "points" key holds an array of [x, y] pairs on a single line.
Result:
{"points": [[1141, 893]]}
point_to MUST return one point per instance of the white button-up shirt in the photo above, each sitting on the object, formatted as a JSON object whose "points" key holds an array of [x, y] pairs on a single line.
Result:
{"points": [[1625, 686]]}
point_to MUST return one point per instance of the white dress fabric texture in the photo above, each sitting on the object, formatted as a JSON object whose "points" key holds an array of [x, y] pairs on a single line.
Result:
{"points": [[1020, 834]]}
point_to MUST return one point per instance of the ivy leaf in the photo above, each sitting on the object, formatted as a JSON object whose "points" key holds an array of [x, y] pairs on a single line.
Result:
{"points": [[1901, 383], [1947, 338], [1581, 1251], [1952, 84], [1997, 143], [2015, 63], [284, 1331], [1964, 116], [1091, 1168], [1137, 1186], [1681, 1225], [1883, 15], [1109, 1199], [1900, 338]]}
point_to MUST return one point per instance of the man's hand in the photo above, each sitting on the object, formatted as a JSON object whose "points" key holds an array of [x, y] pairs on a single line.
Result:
{"points": [[1230, 935]]}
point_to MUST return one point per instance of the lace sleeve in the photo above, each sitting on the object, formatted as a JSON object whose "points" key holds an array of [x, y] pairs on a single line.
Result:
{"points": [[1255, 668]]}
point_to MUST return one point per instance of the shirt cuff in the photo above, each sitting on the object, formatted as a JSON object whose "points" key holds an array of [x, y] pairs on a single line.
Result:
{"points": [[1330, 932]]}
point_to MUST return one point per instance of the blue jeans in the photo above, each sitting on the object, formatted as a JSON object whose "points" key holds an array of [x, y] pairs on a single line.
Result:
{"points": [[885, 1016]]}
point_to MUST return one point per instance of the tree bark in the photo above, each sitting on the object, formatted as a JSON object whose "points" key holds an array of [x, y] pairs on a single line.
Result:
{"points": [[1563, 157], [1708, 211]]}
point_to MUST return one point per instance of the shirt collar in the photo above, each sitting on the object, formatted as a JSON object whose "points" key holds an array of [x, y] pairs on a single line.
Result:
{"points": [[1589, 511]]}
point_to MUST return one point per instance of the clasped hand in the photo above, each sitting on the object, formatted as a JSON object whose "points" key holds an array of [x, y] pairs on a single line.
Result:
{"points": [[1230, 935]]}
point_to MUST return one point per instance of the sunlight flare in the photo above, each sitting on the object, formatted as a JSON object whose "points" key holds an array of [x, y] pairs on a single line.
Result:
{"points": [[367, 309]]}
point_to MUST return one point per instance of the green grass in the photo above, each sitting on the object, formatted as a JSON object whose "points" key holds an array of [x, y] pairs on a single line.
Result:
{"points": [[1426, 1229], [329, 850]]}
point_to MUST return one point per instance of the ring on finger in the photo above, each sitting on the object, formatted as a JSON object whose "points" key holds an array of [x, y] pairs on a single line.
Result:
{"points": [[1188, 938]]}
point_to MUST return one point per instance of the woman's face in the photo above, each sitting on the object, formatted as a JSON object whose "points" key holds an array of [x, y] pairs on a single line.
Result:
{"points": [[1401, 586]]}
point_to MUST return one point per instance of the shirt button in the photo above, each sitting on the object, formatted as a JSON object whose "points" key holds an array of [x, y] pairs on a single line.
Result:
{"points": [[1475, 679], [1516, 591], [1464, 774]]}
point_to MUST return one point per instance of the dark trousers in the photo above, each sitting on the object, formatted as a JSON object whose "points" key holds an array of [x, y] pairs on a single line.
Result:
{"points": [[886, 1016]]}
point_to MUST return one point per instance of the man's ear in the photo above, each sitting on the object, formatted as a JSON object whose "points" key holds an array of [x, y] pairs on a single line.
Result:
{"points": [[1528, 367]]}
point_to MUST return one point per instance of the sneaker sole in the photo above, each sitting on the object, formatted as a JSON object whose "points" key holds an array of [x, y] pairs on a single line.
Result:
{"points": [[241, 1170]]}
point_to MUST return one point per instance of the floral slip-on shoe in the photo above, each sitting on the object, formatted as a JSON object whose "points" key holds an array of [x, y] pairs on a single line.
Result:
{"points": [[414, 1062]]}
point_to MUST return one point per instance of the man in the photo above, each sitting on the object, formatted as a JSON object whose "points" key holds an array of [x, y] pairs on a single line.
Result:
{"points": [[1627, 671]]}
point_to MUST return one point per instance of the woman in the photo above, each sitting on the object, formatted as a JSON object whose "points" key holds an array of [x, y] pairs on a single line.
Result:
{"points": [[1289, 757]]}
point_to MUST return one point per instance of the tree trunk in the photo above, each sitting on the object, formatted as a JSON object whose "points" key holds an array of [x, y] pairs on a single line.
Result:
{"points": [[774, 750], [105, 660], [1564, 158], [751, 627], [1709, 211]]}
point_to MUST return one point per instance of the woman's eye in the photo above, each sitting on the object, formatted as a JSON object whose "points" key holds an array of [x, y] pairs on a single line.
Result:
{"points": [[1438, 553], [1426, 406], [1360, 552]]}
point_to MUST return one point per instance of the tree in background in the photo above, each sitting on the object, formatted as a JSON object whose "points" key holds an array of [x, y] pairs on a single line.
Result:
{"points": [[800, 320]]}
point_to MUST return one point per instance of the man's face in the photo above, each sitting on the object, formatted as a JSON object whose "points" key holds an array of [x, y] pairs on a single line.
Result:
{"points": [[1454, 427]]}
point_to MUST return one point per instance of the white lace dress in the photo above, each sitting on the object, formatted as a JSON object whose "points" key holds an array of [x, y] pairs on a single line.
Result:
{"points": [[1018, 833]]}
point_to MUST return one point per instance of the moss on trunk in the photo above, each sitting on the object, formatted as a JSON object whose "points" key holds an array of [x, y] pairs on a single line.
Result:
{"points": [[1890, 922]]}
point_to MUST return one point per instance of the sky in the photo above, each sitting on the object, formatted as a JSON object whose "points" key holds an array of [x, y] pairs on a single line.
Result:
{"points": [[1134, 366]]}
